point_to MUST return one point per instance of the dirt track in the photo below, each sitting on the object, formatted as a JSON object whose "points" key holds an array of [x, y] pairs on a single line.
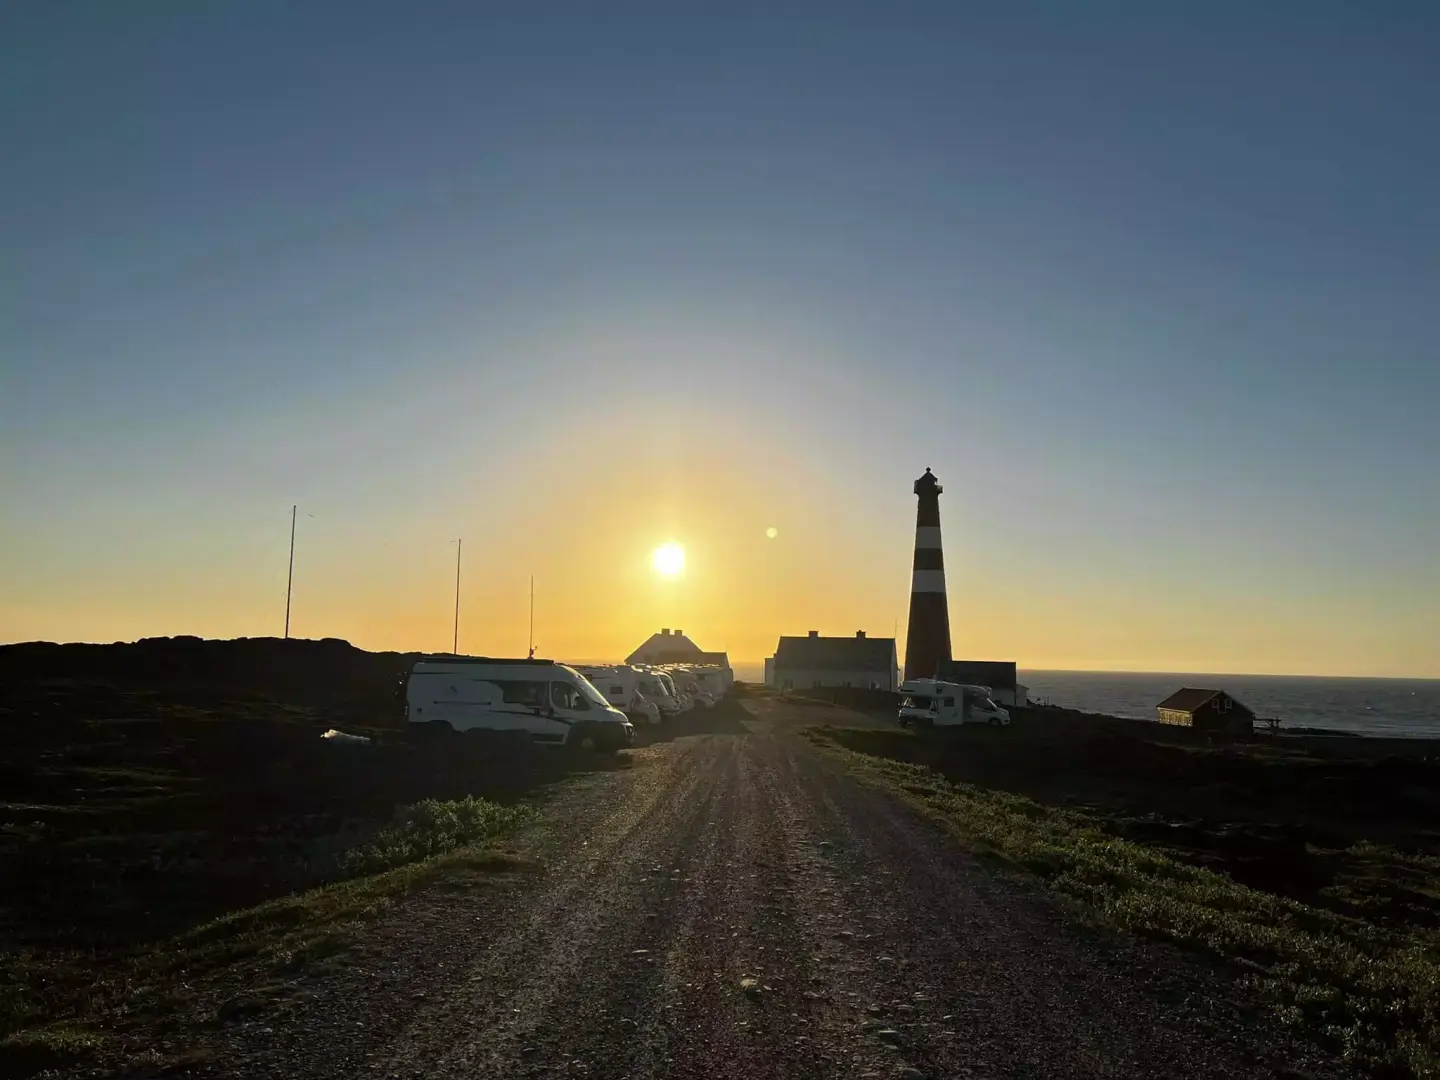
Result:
{"points": [[875, 946]]}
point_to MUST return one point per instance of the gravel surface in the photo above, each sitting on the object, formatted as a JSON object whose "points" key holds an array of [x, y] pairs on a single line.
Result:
{"points": [[733, 905]]}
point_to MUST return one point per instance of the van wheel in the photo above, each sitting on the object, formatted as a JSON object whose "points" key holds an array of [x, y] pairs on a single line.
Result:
{"points": [[584, 741], [995, 722]]}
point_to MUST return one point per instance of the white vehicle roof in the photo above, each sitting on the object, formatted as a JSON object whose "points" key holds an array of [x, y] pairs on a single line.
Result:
{"points": [[451, 665], [935, 686]]}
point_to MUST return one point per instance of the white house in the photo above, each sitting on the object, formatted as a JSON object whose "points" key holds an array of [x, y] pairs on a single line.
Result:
{"points": [[805, 663]]}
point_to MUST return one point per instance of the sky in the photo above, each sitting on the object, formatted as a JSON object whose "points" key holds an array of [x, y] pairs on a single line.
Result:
{"points": [[1151, 288]]}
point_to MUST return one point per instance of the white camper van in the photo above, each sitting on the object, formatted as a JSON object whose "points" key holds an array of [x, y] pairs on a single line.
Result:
{"points": [[622, 687], [547, 701], [658, 689], [672, 702], [687, 683], [930, 703]]}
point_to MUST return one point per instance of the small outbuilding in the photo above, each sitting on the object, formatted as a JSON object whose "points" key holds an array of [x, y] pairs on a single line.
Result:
{"points": [[998, 675], [1206, 710]]}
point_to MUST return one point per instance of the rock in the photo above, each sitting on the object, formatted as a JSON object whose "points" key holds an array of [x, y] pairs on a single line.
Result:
{"points": [[750, 987], [911, 1073], [890, 1035]]}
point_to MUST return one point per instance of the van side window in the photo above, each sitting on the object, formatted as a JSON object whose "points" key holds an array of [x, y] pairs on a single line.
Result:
{"points": [[949, 701], [512, 692], [565, 696], [617, 691]]}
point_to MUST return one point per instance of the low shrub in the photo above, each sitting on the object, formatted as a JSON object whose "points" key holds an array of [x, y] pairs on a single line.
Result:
{"points": [[433, 827]]}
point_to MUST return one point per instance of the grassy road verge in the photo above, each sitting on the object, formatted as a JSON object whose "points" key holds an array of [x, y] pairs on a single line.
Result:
{"points": [[1367, 986], [59, 1006]]}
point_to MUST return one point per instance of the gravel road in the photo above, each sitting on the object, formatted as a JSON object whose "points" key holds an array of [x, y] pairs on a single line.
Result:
{"points": [[733, 905]]}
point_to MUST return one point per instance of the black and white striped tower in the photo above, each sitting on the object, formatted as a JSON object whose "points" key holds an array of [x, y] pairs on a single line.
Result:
{"points": [[927, 642]]}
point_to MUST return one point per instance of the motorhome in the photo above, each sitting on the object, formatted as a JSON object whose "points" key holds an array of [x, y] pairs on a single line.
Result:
{"points": [[671, 696], [657, 688], [689, 683], [623, 688], [549, 702], [930, 703]]}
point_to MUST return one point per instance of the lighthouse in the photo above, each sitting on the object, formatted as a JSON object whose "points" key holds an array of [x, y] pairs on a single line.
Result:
{"points": [[927, 641]]}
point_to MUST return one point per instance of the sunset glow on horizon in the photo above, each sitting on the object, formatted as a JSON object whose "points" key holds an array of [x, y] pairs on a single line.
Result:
{"points": [[680, 355]]}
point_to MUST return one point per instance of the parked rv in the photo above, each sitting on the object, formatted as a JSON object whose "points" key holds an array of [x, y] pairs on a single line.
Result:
{"points": [[657, 688], [549, 702], [622, 687], [671, 697], [929, 703], [688, 682]]}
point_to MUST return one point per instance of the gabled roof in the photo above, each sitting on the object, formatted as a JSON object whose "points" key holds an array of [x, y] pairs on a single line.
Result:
{"points": [[1188, 699], [835, 654], [673, 645]]}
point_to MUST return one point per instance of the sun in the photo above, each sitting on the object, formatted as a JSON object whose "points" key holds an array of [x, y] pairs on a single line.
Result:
{"points": [[668, 560]]}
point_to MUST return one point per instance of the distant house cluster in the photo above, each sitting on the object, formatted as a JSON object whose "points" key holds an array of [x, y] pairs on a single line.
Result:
{"points": [[1206, 710]]}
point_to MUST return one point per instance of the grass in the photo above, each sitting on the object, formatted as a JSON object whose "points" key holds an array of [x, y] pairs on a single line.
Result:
{"points": [[54, 1003], [433, 827], [1368, 989]]}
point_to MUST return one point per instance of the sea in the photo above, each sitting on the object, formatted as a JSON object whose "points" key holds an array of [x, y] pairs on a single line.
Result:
{"points": [[1394, 708]]}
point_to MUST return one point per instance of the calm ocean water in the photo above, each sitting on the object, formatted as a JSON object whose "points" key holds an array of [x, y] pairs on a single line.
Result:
{"points": [[1392, 707]]}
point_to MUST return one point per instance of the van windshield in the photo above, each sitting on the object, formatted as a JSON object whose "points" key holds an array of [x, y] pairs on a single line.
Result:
{"points": [[596, 698]]}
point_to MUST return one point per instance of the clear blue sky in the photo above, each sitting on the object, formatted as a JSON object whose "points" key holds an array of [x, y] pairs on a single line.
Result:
{"points": [[1154, 290]]}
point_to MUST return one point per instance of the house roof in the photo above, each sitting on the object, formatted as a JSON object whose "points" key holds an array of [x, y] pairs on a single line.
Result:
{"points": [[1187, 699], [672, 644], [996, 674], [835, 654]]}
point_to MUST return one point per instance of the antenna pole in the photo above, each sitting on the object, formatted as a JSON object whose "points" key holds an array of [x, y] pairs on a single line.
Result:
{"points": [[290, 580], [532, 616], [455, 642]]}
